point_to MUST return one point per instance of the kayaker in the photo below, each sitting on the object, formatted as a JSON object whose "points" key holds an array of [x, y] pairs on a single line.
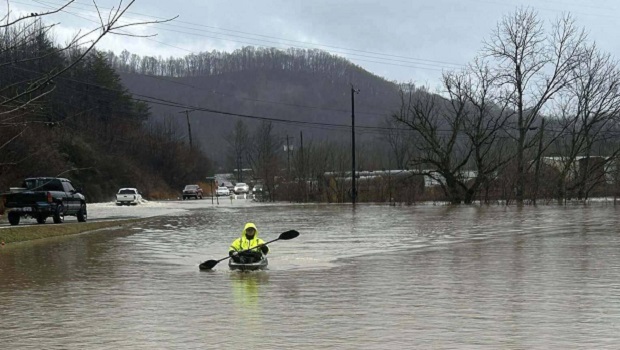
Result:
{"points": [[249, 240]]}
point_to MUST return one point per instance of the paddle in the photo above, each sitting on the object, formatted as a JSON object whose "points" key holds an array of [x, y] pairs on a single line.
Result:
{"points": [[209, 264]]}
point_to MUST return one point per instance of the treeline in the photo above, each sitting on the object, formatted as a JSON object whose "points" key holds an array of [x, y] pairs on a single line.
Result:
{"points": [[535, 116], [248, 58], [64, 112]]}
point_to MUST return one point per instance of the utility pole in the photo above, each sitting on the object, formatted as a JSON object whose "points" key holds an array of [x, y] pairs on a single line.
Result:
{"points": [[303, 164], [189, 127], [353, 189], [239, 169], [288, 164]]}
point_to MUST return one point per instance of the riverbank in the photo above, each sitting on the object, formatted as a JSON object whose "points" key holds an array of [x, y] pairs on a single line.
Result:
{"points": [[31, 232]]}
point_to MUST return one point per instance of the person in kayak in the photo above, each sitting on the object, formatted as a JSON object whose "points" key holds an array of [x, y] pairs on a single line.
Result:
{"points": [[245, 248]]}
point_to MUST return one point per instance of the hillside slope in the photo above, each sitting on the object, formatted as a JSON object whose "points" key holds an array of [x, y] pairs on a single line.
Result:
{"points": [[297, 95]]}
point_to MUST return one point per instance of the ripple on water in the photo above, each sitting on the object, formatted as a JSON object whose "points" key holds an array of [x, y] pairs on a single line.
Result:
{"points": [[378, 277]]}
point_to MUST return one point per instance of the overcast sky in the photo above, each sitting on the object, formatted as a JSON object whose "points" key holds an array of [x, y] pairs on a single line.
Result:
{"points": [[399, 40]]}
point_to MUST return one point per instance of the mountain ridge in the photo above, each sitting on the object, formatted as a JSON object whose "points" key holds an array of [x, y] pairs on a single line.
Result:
{"points": [[298, 95]]}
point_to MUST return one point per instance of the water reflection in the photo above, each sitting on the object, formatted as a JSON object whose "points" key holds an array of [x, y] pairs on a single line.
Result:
{"points": [[246, 291]]}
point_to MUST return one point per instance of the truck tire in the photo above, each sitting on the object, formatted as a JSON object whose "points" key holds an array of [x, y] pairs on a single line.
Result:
{"points": [[14, 218], [82, 214], [41, 219], [59, 214]]}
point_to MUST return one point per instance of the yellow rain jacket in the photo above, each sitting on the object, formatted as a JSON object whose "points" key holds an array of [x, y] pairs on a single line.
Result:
{"points": [[243, 243]]}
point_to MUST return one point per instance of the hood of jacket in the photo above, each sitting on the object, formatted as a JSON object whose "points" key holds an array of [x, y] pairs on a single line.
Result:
{"points": [[247, 226]]}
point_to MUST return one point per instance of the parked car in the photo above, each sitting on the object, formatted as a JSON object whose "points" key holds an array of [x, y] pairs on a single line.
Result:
{"points": [[241, 187], [222, 191], [229, 185], [128, 196], [192, 191], [42, 197]]}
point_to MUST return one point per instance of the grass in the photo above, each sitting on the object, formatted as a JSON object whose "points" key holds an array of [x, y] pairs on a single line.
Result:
{"points": [[31, 232]]}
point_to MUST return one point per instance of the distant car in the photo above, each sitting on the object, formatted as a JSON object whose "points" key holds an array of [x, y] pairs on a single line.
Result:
{"points": [[128, 196], [229, 185], [222, 191], [192, 191], [257, 188], [241, 187]]}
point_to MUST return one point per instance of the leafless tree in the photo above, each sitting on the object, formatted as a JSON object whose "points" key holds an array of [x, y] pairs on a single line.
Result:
{"points": [[238, 141], [589, 115], [400, 141], [263, 156], [437, 123], [534, 66], [485, 125], [24, 48]]}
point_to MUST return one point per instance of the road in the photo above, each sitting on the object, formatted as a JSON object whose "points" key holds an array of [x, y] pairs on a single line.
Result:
{"points": [[111, 211]]}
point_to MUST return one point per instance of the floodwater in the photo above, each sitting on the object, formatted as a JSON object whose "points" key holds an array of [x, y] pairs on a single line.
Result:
{"points": [[377, 277]]}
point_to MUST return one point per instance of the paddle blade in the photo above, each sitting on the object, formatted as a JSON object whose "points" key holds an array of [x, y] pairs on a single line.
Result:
{"points": [[208, 265], [288, 234]]}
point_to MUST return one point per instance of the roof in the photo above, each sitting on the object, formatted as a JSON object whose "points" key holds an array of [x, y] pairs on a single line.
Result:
{"points": [[47, 178]]}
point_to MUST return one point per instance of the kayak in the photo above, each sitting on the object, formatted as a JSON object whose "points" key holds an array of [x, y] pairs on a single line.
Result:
{"points": [[258, 265]]}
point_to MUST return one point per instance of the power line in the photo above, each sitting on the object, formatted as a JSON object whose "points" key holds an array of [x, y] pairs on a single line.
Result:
{"points": [[257, 100], [330, 126], [169, 103]]}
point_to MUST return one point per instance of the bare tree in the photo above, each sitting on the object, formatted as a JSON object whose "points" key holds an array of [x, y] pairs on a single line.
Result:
{"points": [[263, 156], [338, 179], [28, 75], [437, 123], [485, 125], [400, 141], [533, 67], [317, 160], [238, 141], [589, 114]]}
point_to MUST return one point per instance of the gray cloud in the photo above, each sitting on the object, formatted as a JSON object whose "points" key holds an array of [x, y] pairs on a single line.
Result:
{"points": [[427, 36]]}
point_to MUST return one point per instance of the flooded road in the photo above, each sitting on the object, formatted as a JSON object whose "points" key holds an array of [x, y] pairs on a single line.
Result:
{"points": [[377, 277]]}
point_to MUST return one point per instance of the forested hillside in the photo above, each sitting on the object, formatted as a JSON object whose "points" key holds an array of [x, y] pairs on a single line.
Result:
{"points": [[309, 90]]}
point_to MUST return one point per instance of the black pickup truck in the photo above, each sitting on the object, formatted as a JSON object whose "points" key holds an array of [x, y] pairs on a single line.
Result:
{"points": [[42, 197]]}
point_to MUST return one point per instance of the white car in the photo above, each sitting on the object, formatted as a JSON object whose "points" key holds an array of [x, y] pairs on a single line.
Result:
{"points": [[241, 187], [128, 196], [222, 191]]}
